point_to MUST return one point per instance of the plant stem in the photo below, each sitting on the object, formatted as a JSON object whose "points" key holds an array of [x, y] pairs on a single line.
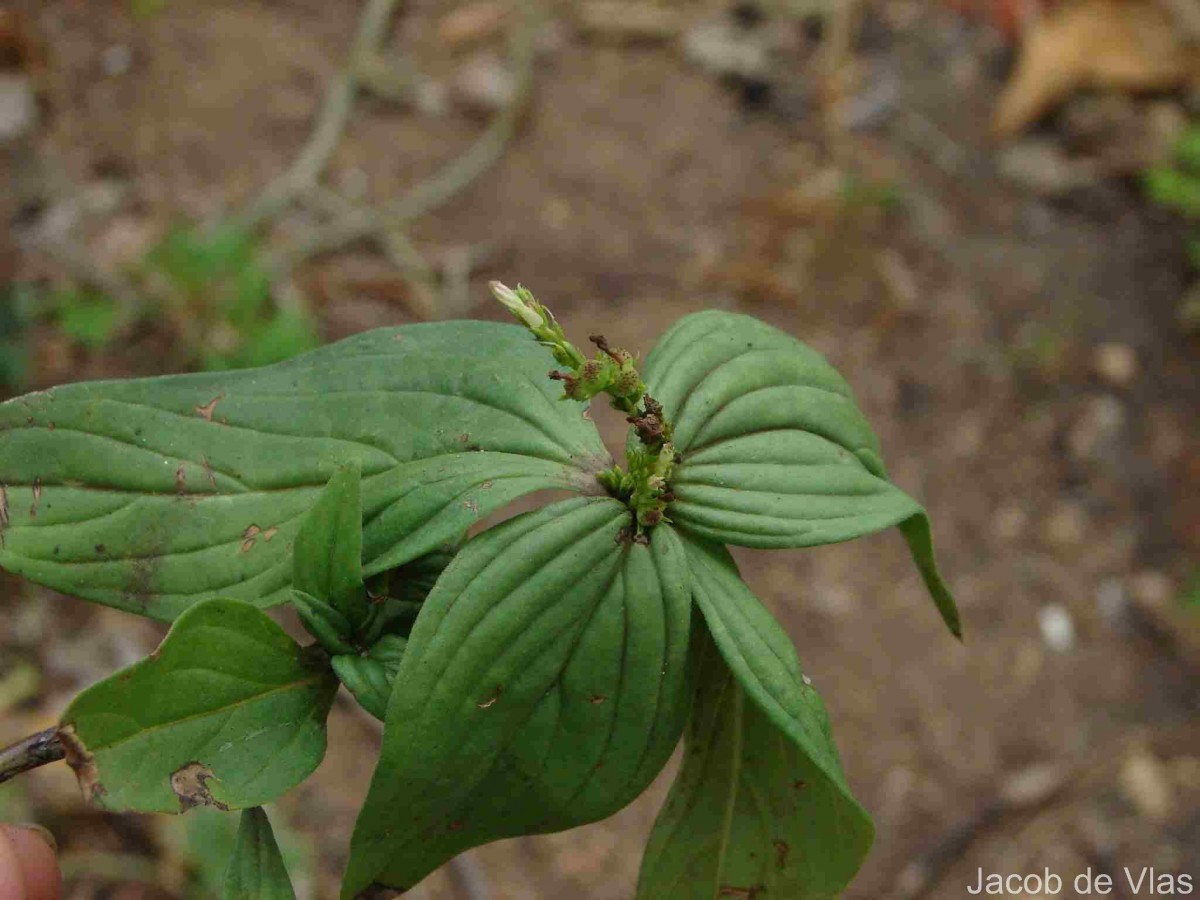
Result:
{"points": [[645, 487], [29, 753]]}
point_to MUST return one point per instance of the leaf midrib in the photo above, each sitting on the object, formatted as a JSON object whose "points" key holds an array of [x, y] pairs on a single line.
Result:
{"points": [[734, 781], [314, 679]]}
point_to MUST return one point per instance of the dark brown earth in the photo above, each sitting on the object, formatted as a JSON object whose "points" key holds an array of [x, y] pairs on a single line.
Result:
{"points": [[971, 313]]}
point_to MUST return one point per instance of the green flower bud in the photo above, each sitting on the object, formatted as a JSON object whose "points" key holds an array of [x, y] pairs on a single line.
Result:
{"points": [[518, 303]]}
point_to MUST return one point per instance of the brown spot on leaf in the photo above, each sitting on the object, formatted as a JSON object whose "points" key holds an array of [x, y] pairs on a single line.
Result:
{"points": [[484, 704], [597, 699], [37, 495], [471, 504], [781, 853], [249, 536], [190, 784], [270, 533], [180, 480], [206, 412], [458, 825], [81, 760], [485, 485], [799, 785], [100, 548], [750, 893], [3, 513], [144, 576], [208, 470]]}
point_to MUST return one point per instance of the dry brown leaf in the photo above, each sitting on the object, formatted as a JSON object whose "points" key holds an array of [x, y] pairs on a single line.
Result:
{"points": [[1135, 46]]}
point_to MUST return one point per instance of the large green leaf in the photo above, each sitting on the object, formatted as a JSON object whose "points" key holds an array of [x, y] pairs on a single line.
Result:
{"points": [[151, 494], [229, 711], [776, 452], [256, 870], [544, 684], [764, 663], [749, 814]]}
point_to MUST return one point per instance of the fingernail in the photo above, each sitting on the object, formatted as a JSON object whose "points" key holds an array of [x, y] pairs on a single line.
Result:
{"points": [[42, 833]]}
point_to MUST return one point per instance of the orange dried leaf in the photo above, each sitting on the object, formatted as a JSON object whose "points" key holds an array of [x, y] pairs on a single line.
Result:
{"points": [[1134, 46]]}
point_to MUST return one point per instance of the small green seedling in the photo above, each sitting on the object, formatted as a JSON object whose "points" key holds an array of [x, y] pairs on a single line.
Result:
{"points": [[1175, 185], [219, 295], [531, 678]]}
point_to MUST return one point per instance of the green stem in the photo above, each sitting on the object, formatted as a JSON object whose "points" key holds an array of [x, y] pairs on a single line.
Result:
{"points": [[645, 487]]}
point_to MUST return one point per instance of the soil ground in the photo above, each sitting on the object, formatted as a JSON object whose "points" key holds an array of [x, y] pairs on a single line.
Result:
{"points": [[971, 314]]}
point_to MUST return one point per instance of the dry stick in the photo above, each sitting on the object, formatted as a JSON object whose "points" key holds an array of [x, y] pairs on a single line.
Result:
{"points": [[843, 18], [331, 119], [30, 753], [391, 239], [447, 183]]}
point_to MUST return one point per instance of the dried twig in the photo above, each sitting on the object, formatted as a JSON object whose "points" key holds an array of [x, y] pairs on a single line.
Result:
{"points": [[445, 184], [30, 753], [331, 119]]}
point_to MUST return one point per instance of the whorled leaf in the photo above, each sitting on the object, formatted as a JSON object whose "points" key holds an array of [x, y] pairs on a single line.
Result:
{"points": [[229, 712], [152, 494], [776, 452], [256, 870], [543, 686], [327, 557], [749, 815], [370, 676], [325, 622], [763, 662]]}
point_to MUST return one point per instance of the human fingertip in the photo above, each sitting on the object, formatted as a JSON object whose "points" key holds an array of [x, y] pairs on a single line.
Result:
{"points": [[41, 832], [31, 873]]}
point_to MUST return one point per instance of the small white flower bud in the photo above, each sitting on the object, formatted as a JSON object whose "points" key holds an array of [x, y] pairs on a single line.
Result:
{"points": [[516, 304]]}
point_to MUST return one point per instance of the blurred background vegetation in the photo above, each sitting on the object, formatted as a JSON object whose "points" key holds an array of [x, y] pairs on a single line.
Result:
{"points": [[985, 212]]}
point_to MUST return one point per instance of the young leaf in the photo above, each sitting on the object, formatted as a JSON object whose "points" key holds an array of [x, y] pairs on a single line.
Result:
{"points": [[775, 451], [370, 677], [397, 594], [227, 712], [153, 494], [327, 558], [764, 663], [324, 622], [543, 686], [256, 870], [748, 814]]}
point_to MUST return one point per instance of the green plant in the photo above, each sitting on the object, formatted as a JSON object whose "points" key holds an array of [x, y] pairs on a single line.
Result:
{"points": [[1175, 185], [219, 295], [17, 303], [86, 317], [531, 678]]}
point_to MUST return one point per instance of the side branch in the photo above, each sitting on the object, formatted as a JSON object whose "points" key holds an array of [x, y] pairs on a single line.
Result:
{"points": [[30, 753]]}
